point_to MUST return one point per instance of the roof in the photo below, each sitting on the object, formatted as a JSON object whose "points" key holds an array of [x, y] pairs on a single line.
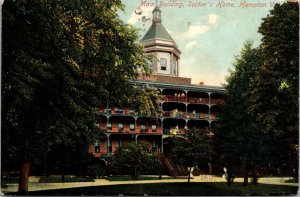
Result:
{"points": [[157, 30]]}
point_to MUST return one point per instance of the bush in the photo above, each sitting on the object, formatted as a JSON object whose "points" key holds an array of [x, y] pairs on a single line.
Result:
{"points": [[96, 171]]}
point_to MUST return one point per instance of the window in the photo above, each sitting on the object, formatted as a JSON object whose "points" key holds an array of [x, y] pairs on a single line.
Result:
{"points": [[109, 127], [97, 147], [132, 127], [153, 146], [143, 128], [150, 64], [163, 63], [120, 127], [153, 128], [109, 146], [120, 143], [174, 68]]}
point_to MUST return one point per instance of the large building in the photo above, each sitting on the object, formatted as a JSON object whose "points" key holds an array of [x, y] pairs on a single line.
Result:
{"points": [[184, 105]]}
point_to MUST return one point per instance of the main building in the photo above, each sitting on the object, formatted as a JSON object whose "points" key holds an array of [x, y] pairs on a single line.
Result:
{"points": [[183, 106]]}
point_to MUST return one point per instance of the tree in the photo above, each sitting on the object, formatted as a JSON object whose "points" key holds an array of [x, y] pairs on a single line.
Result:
{"points": [[274, 100], [61, 61], [239, 139], [134, 158], [194, 149]]}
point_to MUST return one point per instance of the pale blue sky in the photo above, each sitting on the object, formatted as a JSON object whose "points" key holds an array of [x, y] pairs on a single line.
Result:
{"points": [[208, 37]]}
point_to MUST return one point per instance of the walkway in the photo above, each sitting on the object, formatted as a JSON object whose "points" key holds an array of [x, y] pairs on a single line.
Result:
{"points": [[98, 182]]}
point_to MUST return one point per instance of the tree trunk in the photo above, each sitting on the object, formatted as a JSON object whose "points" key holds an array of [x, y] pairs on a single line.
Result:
{"points": [[245, 171], [63, 177], [24, 178], [209, 169], [63, 171], [189, 176]]}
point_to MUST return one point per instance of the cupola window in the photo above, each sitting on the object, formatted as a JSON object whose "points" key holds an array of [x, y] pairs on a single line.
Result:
{"points": [[163, 63]]}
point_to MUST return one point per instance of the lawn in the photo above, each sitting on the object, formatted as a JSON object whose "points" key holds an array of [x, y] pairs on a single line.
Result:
{"points": [[47, 179], [173, 189]]}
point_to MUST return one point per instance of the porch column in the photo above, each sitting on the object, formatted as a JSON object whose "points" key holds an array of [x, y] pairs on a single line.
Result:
{"points": [[162, 144]]}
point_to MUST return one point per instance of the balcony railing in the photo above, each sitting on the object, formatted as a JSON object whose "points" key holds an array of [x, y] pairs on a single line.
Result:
{"points": [[195, 100], [174, 98], [198, 100], [217, 101], [174, 131], [184, 115], [124, 128]]}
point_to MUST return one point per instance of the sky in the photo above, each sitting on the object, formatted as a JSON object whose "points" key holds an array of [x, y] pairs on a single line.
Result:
{"points": [[209, 33]]}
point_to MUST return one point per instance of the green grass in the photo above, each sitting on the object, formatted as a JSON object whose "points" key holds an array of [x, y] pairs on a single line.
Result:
{"points": [[57, 179], [173, 189], [8, 180]]}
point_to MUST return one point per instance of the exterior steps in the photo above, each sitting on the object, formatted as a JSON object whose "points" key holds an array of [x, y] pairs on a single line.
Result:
{"points": [[175, 170]]}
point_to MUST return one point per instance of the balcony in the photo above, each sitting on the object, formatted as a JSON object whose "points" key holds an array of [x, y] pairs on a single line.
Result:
{"points": [[217, 101], [118, 111], [184, 115], [130, 128], [174, 131], [198, 100], [174, 98]]}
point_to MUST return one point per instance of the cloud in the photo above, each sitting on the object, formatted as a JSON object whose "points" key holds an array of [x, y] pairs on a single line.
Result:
{"points": [[191, 44], [198, 29], [195, 30], [213, 19]]}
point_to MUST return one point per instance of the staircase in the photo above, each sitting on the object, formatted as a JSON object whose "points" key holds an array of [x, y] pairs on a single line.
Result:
{"points": [[175, 170]]}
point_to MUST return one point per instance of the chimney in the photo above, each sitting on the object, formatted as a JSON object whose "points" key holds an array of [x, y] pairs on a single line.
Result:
{"points": [[201, 83]]}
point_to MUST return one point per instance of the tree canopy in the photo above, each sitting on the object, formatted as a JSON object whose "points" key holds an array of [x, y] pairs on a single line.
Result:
{"points": [[134, 159], [239, 139], [274, 99], [61, 61], [196, 148]]}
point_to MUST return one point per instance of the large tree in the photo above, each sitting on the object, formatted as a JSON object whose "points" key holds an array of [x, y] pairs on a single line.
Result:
{"points": [[239, 139], [61, 61], [274, 100], [192, 150], [135, 158]]}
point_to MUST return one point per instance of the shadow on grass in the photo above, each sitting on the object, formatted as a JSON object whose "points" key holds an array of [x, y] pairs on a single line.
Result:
{"points": [[172, 189]]}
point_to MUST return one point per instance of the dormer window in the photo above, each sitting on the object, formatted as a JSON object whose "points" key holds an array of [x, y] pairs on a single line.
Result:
{"points": [[163, 64]]}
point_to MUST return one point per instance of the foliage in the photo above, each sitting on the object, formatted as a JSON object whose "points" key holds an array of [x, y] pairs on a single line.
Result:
{"points": [[134, 159], [240, 142], [61, 61], [96, 171], [195, 149], [274, 99]]}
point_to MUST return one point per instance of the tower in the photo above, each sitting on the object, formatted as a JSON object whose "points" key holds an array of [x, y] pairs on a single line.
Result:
{"points": [[158, 43]]}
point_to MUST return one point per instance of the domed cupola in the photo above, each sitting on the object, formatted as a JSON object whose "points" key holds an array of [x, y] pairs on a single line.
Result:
{"points": [[158, 43]]}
